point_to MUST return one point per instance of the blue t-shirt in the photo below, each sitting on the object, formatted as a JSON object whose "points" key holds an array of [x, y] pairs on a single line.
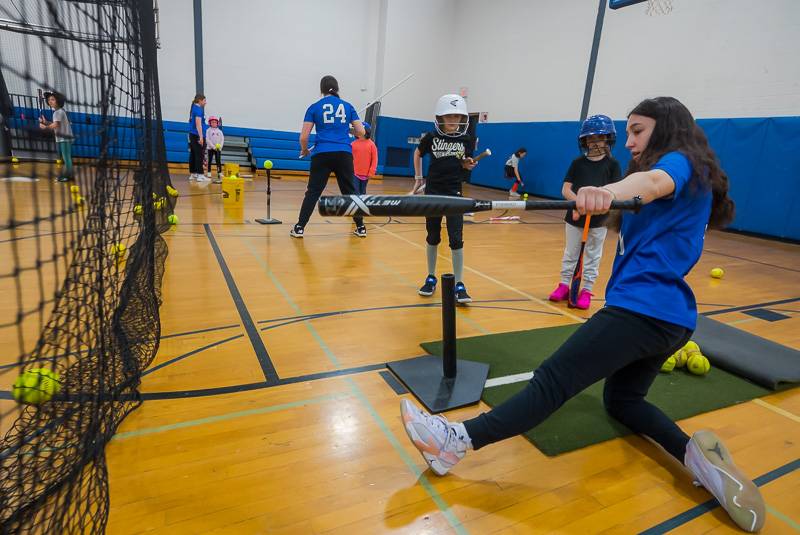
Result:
{"points": [[331, 117], [196, 111], [659, 246]]}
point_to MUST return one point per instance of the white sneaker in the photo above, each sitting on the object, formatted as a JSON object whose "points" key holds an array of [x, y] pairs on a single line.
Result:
{"points": [[192, 176], [712, 466], [513, 194], [439, 441], [202, 178]]}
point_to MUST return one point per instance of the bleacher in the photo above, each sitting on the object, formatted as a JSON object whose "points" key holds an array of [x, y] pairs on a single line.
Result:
{"points": [[123, 138], [246, 146]]}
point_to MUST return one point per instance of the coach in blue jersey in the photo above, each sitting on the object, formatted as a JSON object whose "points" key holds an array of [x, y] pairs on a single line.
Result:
{"points": [[332, 118]]}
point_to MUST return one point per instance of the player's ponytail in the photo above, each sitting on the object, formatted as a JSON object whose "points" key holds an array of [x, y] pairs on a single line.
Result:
{"points": [[329, 86]]}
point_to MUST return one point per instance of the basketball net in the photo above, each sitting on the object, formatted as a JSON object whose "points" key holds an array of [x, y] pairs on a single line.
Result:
{"points": [[659, 7]]}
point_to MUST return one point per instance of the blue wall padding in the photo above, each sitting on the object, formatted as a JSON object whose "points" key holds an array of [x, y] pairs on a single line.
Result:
{"points": [[394, 132], [760, 155]]}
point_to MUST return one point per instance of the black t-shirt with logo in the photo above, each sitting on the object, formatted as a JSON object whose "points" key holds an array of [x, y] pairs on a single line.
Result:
{"points": [[445, 173], [585, 172]]}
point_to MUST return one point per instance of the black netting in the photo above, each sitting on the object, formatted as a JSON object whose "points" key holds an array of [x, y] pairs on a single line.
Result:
{"points": [[81, 256]]}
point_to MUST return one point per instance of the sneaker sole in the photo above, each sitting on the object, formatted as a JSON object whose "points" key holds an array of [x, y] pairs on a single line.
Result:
{"points": [[431, 460], [293, 235], [577, 306], [426, 294], [464, 301], [742, 499]]}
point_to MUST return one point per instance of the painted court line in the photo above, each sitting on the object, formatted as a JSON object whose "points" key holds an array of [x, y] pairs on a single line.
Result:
{"points": [[783, 517], [267, 368], [454, 522], [229, 416], [495, 281], [477, 326], [509, 379], [699, 510], [777, 409]]}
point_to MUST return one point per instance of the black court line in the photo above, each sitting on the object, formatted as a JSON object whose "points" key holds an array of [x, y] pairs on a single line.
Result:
{"points": [[270, 374], [474, 304], [392, 381], [150, 396], [198, 331], [766, 315], [190, 353], [710, 505], [749, 307], [750, 260]]}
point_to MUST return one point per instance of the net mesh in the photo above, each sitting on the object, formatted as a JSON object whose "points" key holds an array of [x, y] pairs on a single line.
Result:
{"points": [[81, 255]]}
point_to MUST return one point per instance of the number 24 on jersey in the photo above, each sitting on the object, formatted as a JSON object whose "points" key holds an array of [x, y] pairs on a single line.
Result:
{"points": [[329, 116]]}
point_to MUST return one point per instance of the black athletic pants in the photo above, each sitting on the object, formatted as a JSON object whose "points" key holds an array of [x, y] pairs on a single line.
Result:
{"points": [[622, 347], [322, 165], [214, 153], [195, 155]]}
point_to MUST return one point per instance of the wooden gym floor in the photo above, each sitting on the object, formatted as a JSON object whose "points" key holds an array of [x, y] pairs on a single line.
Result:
{"points": [[213, 449]]}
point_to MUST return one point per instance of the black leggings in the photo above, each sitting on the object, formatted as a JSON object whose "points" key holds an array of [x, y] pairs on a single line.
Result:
{"points": [[322, 165], [622, 347], [455, 223], [213, 153], [195, 155]]}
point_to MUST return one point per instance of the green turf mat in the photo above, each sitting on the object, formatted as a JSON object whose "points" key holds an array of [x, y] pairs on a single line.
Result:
{"points": [[582, 421]]}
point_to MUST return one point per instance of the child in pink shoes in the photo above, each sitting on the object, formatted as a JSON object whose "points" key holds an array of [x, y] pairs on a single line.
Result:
{"points": [[595, 168]]}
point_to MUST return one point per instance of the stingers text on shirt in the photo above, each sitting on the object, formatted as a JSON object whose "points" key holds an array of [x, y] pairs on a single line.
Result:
{"points": [[442, 148]]}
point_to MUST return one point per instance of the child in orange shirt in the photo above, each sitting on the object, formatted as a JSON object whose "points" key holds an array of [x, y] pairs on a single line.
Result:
{"points": [[365, 159]]}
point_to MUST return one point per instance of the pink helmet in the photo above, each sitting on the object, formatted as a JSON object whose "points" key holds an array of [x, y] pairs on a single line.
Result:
{"points": [[213, 118]]}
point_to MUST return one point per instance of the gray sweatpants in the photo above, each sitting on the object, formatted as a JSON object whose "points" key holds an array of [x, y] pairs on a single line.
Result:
{"points": [[591, 256]]}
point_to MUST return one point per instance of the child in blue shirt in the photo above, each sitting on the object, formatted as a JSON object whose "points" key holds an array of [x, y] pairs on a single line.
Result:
{"points": [[650, 312], [332, 118]]}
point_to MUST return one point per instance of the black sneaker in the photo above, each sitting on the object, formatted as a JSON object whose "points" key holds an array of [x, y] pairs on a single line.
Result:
{"points": [[461, 293], [429, 287], [361, 231], [296, 232]]}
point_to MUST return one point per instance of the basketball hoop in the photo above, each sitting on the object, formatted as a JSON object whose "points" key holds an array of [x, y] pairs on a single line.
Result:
{"points": [[659, 7]]}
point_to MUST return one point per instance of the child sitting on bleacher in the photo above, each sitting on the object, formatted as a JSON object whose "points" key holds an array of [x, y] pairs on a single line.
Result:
{"points": [[215, 139]]}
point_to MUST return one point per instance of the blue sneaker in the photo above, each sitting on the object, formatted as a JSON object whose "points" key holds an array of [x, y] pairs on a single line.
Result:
{"points": [[429, 287], [461, 293]]}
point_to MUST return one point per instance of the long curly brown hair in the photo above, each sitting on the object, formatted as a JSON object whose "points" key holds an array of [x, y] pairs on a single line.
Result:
{"points": [[676, 130]]}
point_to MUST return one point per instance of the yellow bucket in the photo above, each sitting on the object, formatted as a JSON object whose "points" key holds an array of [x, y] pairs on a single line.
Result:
{"points": [[230, 169], [232, 191]]}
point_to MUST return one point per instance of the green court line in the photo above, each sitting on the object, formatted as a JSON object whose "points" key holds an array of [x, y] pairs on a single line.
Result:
{"points": [[229, 416], [356, 391], [410, 284], [328, 353], [783, 517]]}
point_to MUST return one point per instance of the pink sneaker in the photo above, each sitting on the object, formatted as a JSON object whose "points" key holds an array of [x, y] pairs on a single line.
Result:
{"points": [[560, 293], [584, 299]]}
